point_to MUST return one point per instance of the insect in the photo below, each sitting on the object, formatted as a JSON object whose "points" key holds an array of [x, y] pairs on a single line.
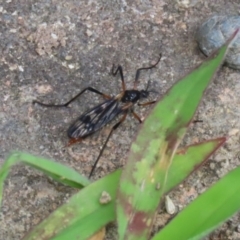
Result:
{"points": [[96, 118]]}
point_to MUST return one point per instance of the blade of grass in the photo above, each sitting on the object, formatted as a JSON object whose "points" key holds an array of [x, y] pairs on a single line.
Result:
{"points": [[209, 210], [83, 215], [53, 169], [144, 178], [189, 159]]}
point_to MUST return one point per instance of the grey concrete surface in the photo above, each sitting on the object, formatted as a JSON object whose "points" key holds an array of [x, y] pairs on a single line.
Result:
{"points": [[51, 49]]}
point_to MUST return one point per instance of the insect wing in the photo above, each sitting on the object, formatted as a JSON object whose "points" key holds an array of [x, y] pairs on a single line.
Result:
{"points": [[94, 119]]}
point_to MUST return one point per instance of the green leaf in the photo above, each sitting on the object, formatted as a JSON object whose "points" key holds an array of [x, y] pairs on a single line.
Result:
{"points": [[55, 170], [189, 159], [209, 210], [83, 215], [144, 178]]}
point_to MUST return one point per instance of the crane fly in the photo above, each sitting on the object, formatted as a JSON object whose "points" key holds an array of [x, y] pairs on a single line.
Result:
{"points": [[96, 118]]}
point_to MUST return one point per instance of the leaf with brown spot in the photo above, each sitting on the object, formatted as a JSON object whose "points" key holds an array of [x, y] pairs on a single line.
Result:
{"points": [[144, 179]]}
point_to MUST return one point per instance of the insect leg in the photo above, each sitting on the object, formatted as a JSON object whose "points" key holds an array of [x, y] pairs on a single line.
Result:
{"points": [[146, 103], [74, 98], [144, 68], [114, 73], [197, 121], [141, 104], [105, 144], [136, 116]]}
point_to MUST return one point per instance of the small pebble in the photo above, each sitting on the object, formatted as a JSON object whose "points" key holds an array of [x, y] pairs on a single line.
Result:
{"points": [[238, 228], [213, 33], [105, 198], [169, 205], [68, 57]]}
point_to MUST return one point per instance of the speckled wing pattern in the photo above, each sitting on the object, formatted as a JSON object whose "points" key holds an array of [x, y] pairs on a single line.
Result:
{"points": [[95, 119]]}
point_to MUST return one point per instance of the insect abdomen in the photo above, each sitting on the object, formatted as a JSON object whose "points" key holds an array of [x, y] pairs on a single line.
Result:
{"points": [[80, 130]]}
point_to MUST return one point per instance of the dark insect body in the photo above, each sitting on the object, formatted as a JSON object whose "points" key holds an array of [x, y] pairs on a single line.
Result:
{"points": [[100, 115]]}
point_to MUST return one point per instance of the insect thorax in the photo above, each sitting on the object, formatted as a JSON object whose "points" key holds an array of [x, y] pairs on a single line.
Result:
{"points": [[131, 96]]}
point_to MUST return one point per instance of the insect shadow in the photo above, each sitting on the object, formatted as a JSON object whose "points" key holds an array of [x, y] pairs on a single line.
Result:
{"points": [[96, 118]]}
